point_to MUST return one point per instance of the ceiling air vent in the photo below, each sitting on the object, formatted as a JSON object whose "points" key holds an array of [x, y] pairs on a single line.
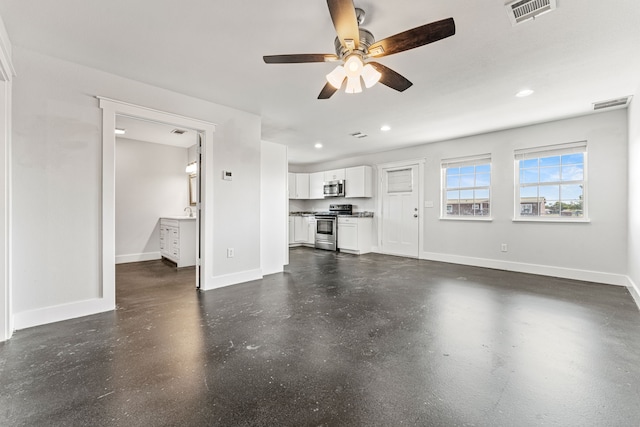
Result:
{"points": [[359, 135], [179, 131], [523, 10], [611, 103]]}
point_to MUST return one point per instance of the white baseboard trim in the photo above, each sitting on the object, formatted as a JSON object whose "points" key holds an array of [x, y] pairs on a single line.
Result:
{"points": [[634, 290], [147, 256], [231, 279], [543, 270], [57, 313]]}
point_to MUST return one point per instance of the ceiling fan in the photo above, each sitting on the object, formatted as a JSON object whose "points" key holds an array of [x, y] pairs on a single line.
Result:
{"points": [[355, 45]]}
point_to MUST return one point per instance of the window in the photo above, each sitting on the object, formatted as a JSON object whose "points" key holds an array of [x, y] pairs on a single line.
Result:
{"points": [[551, 182], [466, 187], [400, 181]]}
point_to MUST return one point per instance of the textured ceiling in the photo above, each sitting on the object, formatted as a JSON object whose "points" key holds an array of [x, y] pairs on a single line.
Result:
{"points": [[584, 51]]}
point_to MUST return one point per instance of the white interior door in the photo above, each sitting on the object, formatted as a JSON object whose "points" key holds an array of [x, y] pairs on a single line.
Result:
{"points": [[400, 211]]}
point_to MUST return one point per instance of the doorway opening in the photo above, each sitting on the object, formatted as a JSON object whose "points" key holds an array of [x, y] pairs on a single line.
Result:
{"points": [[113, 110], [156, 201]]}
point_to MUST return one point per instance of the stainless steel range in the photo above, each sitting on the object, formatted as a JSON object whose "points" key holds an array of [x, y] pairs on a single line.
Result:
{"points": [[327, 226]]}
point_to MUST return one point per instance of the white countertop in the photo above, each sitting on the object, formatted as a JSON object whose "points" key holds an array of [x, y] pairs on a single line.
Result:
{"points": [[179, 217]]}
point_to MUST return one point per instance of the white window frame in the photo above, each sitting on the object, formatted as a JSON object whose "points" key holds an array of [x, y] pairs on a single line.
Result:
{"points": [[478, 160], [544, 152]]}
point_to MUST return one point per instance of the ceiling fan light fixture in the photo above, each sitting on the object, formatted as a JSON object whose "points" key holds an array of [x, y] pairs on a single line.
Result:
{"points": [[353, 85], [370, 75], [353, 66], [337, 76]]}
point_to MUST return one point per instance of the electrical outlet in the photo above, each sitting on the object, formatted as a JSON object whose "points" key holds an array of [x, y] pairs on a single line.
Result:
{"points": [[503, 247], [230, 253]]}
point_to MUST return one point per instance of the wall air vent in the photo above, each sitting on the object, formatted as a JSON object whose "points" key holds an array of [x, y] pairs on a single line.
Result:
{"points": [[612, 103], [179, 131], [523, 10]]}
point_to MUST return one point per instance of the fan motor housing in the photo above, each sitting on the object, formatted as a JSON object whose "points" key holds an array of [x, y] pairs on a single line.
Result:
{"points": [[366, 40]]}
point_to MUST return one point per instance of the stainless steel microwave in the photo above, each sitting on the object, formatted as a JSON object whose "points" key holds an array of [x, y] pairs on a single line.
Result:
{"points": [[334, 188]]}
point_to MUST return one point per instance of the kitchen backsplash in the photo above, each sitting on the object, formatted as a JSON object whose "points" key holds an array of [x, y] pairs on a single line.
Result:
{"points": [[359, 204]]}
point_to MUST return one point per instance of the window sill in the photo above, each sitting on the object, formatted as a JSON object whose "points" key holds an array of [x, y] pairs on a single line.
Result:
{"points": [[556, 220], [469, 218]]}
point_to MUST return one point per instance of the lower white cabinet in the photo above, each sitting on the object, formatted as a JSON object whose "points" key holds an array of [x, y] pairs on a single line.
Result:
{"points": [[302, 230], [354, 235], [178, 240], [311, 238]]}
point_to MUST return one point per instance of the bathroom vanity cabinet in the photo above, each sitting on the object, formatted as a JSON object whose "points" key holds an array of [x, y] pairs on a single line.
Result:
{"points": [[178, 240]]}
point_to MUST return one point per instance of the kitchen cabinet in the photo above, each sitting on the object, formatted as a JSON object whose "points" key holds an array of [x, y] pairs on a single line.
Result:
{"points": [[359, 182], [334, 175], [178, 240], [292, 237], [311, 237], [316, 185], [354, 235], [298, 185], [302, 230]]}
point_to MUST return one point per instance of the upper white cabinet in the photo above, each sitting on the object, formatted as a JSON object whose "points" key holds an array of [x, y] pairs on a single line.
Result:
{"points": [[316, 185], [334, 175], [298, 185], [359, 182]]}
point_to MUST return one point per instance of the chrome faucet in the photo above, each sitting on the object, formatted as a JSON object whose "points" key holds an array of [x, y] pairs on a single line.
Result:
{"points": [[190, 211]]}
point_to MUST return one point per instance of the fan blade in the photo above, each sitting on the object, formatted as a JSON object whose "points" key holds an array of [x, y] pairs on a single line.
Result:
{"points": [[327, 91], [343, 15], [413, 38], [300, 58], [391, 78]]}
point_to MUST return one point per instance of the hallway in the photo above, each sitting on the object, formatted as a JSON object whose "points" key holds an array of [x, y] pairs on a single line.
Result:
{"points": [[335, 340]]}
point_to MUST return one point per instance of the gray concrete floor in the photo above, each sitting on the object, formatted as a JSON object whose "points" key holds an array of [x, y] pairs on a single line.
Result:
{"points": [[336, 340]]}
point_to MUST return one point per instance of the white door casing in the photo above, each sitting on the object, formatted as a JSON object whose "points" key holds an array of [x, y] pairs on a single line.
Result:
{"points": [[111, 108], [400, 211], [7, 72]]}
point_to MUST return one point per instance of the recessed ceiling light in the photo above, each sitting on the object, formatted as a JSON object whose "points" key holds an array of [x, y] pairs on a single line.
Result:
{"points": [[385, 128], [119, 131], [318, 145], [524, 92]]}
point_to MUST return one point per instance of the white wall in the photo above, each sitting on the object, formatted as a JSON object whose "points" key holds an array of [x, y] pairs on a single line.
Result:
{"points": [[273, 208], [56, 170], [634, 196], [593, 251], [150, 182]]}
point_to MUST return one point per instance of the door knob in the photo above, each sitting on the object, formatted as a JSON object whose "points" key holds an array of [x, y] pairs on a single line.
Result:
{"points": [[415, 215]]}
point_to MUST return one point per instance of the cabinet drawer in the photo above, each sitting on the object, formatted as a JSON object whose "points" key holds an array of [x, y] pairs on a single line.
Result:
{"points": [[347, 220]]}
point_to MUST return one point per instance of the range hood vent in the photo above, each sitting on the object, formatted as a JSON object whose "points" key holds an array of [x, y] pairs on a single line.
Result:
{"points": [[524, 10], [612, 103]]}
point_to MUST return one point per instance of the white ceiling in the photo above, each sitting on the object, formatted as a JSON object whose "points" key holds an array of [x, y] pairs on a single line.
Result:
{"points": [[583, 52], [157, 133]]}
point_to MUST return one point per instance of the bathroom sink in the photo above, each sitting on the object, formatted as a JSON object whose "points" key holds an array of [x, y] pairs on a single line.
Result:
{"points": [[179, 217]]}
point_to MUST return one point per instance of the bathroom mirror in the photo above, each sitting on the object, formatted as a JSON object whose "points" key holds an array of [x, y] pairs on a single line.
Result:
{"points": [[193, 185]]}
